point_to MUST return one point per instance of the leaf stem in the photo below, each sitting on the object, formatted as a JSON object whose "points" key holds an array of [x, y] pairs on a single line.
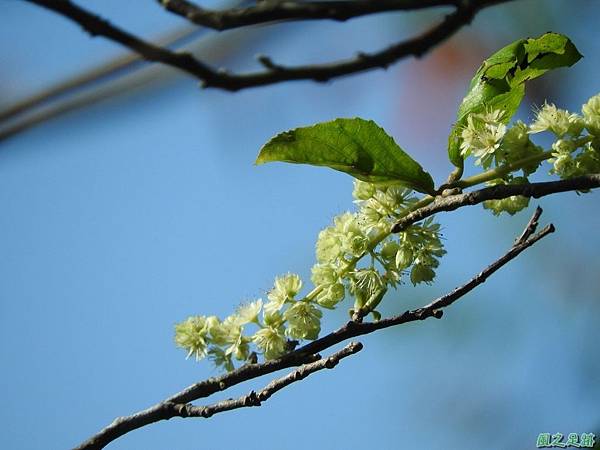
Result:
{"points": [[499, 172]]}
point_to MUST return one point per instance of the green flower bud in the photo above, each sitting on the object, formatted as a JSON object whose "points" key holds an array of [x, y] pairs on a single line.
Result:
{"points": [[510, 205], [421, 274], [564, 166], [331, 295], [588, 161], [375, 299], [389, 250], [563, 147], [355, 244], [517, 135], [516, 145], [404, 257], [365, 283]]}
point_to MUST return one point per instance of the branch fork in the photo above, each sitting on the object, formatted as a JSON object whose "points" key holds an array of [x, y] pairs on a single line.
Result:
{"points": [[306, 358]]}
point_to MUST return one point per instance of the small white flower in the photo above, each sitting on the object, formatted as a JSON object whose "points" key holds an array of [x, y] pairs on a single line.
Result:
{"points": [[249, 312], [304, 321], [482, 136], [271, 341], [285, 288], [591, 115], [558, 121]]}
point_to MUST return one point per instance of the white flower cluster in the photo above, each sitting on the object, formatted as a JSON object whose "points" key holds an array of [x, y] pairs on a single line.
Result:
{"points": [[286, 317], [358, 255], [575, 152], [223, 341], [488, 139], [366, 232]]}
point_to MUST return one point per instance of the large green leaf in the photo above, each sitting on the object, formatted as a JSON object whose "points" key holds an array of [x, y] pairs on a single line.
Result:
{"points": [[500, 81], [356, 146]]}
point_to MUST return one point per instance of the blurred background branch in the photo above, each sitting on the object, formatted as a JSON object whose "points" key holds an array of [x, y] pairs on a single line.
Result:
{"points": [[276, 73], [67, 94]]}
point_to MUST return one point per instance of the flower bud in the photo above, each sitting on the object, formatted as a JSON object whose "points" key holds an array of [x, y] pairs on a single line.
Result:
{"points": [[404, 257], [331, 295], [421, 274]]}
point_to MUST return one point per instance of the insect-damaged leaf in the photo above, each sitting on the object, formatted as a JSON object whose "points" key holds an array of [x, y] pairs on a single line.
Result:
{"points": [[356, 146], [500, 81]]}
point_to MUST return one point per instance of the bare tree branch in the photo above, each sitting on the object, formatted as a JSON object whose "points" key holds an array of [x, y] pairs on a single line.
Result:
{"points": [[177, 405], [255, 399], [171, 408], [498, 192], [97, 26], [464, 12], [433, 309], [531, 226], [271, 11]]}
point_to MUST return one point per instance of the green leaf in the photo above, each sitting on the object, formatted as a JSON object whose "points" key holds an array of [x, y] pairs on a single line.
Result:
{"points": [[356, 146], [500, 81]]}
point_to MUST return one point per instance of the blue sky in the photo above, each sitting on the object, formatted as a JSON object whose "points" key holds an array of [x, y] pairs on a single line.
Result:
{"points": [[124, 218]]}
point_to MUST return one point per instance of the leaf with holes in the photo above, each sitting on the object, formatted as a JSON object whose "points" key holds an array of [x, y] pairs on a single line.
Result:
{"points": [[500, 81]]}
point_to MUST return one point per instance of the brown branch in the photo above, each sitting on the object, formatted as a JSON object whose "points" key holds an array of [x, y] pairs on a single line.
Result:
{"points": [[160, 411], [170, 408], [271, 11], [498, 192], [256, 398], [531, 226], [97, 26], [464, 12], [433, 309], [176, 405]]}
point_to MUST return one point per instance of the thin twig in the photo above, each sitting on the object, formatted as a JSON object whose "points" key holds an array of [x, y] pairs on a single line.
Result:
{"points": [[498, 192], [275, 73], [531, 226], [270, 11], [163, 410], [97, 26], [256, 398], [170, 408], [308, 354]]}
